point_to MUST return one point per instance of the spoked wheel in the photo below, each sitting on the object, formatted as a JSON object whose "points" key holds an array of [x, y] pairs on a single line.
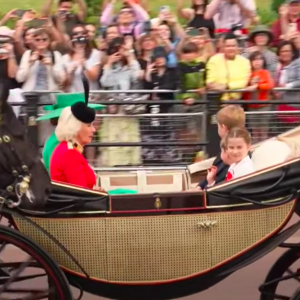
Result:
{"points": [[286, 271], [27, 272]]}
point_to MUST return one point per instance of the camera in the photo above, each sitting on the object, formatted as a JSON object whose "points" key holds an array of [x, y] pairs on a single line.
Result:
{"points": [[115, 45], [80, 40], [235, 27], [4, 40], [65, 13], [41, 57]]}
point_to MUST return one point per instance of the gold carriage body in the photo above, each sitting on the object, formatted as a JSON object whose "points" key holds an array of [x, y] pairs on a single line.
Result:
{"points": [[165, 235]]}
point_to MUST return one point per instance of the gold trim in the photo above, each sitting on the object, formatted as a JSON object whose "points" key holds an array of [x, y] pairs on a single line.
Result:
{"points": [[157, 203], [253, 174], [6, 138]]}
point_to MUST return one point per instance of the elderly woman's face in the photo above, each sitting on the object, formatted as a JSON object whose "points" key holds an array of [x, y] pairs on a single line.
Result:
{"points": [[85, 134]]}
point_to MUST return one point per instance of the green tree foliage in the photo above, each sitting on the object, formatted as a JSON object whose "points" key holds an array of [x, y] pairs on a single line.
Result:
{"points": [[267, 17], [275, 5], [94, 9]]}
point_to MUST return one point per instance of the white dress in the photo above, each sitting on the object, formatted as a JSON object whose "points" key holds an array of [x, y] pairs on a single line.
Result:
{"points": [[242, 168]]}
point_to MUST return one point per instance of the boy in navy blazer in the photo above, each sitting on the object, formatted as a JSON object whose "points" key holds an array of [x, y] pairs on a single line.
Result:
{"points": [[228, 117]]}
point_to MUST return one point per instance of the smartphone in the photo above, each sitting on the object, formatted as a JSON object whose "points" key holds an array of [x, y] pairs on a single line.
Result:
{"points": [[20, 12], [164, 9], [37, 23], [101, 31], [147, 27]]}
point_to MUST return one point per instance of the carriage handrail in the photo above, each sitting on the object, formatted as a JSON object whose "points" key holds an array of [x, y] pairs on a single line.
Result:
{"points": [[204, 99], [145, 144], [141, 168], [178, 102]]}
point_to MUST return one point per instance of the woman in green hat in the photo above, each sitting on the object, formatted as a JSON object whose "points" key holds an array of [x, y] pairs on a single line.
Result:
{"points": [[54, 112], [63, 101]]}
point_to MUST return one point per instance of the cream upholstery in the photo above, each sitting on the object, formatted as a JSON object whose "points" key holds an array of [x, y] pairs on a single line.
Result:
{"points": [[145, 181], [270, 153]]}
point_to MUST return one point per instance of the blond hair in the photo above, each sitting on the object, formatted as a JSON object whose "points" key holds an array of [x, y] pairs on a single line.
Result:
{"points": [[231, 116], [67, 126]]}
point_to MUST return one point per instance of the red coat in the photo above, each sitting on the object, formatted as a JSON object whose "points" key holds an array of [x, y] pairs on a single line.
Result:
{"points": [[68, 165]]}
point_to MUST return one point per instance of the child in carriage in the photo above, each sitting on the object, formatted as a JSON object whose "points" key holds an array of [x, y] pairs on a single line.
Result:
{"points": [[228, 117], [235, 152]]}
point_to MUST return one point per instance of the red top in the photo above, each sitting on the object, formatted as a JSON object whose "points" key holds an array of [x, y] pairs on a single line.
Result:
{"points": [[265, 85], [68, 165]]}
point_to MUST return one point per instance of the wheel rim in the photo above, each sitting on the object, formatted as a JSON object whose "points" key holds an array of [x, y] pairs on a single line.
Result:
{"points": [[286, 271], [24, 274]]}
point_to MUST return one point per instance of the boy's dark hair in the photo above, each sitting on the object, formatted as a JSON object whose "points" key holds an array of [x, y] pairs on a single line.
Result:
{"points": [[230, 36], [189, 47]]}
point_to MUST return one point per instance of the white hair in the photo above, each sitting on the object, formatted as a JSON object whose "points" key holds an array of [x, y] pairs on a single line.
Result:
{"points": [[68, 126]]}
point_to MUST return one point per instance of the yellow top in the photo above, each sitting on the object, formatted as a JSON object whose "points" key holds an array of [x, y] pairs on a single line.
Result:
{"points": [[235, 73]]}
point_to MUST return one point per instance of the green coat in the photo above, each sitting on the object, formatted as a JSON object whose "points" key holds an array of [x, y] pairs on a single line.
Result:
{"points": [[49, 147], [191, 77]]}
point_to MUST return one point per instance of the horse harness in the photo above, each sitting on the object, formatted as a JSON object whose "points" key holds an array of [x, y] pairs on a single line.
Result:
{"points": [[22, 176]]}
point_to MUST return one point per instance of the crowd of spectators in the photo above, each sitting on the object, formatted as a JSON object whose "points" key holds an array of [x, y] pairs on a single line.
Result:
{"points": [[222, 47]]}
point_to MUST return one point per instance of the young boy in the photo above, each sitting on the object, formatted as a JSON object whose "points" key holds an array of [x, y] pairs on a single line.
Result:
{"points": [[228, 117], [191, 76]]}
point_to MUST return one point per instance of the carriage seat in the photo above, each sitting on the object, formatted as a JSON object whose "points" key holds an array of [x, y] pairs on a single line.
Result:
{"points": [[145, 181], [63, 194], [271, 153]]}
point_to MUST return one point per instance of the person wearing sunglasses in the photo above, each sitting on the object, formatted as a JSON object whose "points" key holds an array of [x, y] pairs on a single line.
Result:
{"points": [[40, 70]]}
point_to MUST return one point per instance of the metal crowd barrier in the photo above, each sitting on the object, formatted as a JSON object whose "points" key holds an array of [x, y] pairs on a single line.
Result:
{"points": [[164, 139]]}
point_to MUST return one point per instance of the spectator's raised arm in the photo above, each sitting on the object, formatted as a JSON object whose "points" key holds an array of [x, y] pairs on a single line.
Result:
{"points": [[186, 13], [212, 9], [46, 8], [10, 15], [141, 14], [82, 10], [247, 8], [108, 14]]}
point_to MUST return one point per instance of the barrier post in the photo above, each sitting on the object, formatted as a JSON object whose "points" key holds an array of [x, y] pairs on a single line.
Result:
{"points": [[213, 106], [32, 100]]}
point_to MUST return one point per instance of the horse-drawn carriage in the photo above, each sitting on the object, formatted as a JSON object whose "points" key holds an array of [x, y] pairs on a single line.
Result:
{"points": [[164, 242]]}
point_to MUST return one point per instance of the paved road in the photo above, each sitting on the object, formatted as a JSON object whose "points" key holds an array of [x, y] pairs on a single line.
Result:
{"points": [[242, 285]]}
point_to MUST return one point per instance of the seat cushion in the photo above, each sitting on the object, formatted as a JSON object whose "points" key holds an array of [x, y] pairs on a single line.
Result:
{"points": [[270, 153]]}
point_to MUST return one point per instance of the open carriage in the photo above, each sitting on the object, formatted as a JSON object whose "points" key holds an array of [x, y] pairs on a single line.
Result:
{"points": [[164, 242]]}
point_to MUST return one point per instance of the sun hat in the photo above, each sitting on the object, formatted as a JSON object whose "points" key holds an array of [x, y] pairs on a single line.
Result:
{"points": [[6, 32], [63, 101], [260, 29]]}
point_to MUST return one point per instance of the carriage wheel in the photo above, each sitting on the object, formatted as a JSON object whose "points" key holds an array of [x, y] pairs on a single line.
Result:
{"points": [[282, 271], [27, 272], [296, 295]]}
